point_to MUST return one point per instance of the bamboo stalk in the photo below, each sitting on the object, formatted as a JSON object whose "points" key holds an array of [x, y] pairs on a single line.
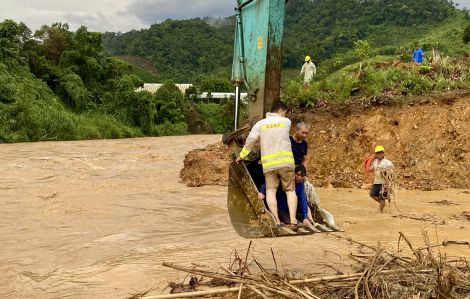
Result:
{"points": [[193, 294], [308, 290], [346, 276], [245, 266], [366, 280], [356, 295], [257, 292], [301, 292], [370, 247], [416, 253], [445, 244], [240, 291], [249, 286]]}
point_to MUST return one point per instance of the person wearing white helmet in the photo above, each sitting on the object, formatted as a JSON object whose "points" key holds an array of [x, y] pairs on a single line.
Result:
{"points": [[309, 70], [379, 163]]}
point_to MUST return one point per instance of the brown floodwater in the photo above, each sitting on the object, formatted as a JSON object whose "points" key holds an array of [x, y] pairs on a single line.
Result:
{"points": [[96, 219]]}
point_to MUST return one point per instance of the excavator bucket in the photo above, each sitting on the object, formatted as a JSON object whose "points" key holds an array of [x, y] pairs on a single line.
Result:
{"points": [[249, 216]]}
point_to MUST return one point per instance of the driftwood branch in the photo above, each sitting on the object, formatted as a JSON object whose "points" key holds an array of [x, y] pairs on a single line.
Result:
{"points": [[193, 294]]}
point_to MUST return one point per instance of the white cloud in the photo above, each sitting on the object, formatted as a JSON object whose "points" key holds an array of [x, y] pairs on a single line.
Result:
{"points": [[115, 15], [155, 11], [463, 3], [107, 15]]}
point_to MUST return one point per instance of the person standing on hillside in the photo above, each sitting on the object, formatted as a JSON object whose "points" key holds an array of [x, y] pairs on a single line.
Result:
{"points": [[418, 55], [309, 70], [379, 164], [276, 157], [299, 144]]}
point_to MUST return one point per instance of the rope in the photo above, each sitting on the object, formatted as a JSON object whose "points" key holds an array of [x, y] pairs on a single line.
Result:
{"points": [[388, 187], [312, 197], [366, 165]]}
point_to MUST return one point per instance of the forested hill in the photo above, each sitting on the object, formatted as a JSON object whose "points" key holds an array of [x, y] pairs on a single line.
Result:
{"points": [[180, 49], [320, 28]]}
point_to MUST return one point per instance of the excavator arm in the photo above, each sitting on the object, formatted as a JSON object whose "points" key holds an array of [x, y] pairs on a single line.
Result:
{"points": [[257, 53], [257, 67]]}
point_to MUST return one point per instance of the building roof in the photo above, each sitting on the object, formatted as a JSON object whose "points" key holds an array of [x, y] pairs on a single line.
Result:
{"points": [[151, 87], [221, 95]]}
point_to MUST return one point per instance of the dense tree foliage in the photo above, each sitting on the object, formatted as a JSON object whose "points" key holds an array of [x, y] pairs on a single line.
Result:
{"points": [[58, 85], [180, 49], [322, 28], [319, 28]]}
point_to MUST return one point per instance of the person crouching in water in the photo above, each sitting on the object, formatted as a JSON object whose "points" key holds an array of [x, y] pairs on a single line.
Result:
{"points": [[302, 214], [380, 163], [276, 157]]}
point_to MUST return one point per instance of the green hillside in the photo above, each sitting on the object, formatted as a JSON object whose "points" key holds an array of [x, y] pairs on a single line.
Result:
{"points": [[58, 84], [323, 29]]}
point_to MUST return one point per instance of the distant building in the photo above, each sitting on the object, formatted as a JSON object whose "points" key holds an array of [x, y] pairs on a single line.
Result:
{"points": [[217, 96], [151, 87]]}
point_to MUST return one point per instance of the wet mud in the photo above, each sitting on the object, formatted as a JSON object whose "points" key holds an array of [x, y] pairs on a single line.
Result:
{"points": [[94, 219]]}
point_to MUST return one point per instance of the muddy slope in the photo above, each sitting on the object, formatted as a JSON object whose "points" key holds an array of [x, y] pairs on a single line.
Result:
{"points": [[427, 140], [206, 166]]}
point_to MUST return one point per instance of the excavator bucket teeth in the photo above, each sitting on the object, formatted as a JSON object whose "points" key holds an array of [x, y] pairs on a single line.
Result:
{"points": [[303, 231], [313, 229], [325, 219], [323, 228]]}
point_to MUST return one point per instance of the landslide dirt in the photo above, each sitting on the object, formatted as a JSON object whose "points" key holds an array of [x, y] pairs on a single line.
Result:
{"points": [[206, 166], [427, 140]]}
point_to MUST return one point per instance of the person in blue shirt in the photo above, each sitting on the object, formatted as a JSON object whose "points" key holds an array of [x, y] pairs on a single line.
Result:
{"points": [[303, 216], [299, 145], [418, 55]]}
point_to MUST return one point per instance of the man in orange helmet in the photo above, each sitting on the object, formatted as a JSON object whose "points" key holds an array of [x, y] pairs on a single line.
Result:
{"points": [[380, 163]]}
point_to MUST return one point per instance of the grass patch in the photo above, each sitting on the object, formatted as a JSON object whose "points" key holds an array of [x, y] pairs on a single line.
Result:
{"points": [[380, 83]]}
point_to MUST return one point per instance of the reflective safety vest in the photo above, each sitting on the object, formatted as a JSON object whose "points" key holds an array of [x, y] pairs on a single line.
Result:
{"points": [[276, 148]]}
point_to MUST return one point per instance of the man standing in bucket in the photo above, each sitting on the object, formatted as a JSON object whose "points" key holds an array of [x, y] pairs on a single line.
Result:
{"points": [[377, 166], [309, 70], [276, 157]]}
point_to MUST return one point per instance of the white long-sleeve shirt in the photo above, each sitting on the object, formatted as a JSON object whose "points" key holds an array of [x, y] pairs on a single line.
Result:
{"points": [[276, 149]]}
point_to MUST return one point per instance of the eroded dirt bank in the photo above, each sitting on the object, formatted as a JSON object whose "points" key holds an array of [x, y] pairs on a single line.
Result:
{"points": [[428, 140], [96, 219]]}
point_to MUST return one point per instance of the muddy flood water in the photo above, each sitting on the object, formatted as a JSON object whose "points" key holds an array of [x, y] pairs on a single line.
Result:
{"points": [[96, 219]]}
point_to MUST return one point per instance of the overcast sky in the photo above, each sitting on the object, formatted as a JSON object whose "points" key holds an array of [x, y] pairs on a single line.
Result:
{"points": [[116, 15]]}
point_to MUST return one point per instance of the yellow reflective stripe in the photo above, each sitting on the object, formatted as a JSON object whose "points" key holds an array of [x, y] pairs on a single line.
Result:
{"points": [[244, 153], [278, 154], [270, 163], [279, 125]]}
